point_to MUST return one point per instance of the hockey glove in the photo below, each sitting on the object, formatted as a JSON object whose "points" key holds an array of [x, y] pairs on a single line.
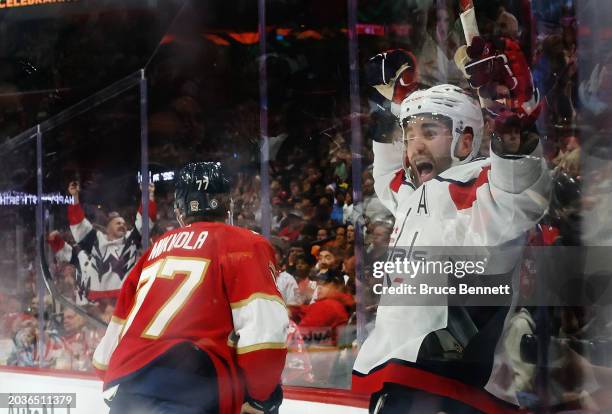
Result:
{"points": [[393, 75], [499, 70], [269, 406]]}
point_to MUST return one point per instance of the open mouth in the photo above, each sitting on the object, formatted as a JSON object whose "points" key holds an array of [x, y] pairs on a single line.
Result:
{"points": [[425, 170]]}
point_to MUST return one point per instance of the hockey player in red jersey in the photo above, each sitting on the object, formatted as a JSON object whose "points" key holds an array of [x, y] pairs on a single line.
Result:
{"points": [[200, 326]]}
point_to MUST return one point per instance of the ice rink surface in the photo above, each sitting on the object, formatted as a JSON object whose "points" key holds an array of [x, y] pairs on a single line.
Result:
{"points": [[89, 394]]}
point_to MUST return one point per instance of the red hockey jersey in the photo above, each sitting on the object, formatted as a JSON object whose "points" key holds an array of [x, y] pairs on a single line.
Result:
{"points": [[210, 284]]}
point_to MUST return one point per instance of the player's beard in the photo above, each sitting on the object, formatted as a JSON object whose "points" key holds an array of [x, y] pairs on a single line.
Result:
{"points": [[425, 165]]}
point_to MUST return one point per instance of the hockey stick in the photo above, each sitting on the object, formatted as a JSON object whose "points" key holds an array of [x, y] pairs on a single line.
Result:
{"points": [[470, 31], [48, 278], [468, 20]]}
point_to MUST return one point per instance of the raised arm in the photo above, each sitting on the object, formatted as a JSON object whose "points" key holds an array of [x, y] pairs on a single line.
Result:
{"points": [[81, 229], [389, 175], [152, 210], [392, 76], [61, 249]]}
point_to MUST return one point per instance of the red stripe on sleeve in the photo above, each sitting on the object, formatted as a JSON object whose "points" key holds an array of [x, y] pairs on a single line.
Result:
{"points": [[152, 210], [464, 195], [75, 214], [397, 181]]}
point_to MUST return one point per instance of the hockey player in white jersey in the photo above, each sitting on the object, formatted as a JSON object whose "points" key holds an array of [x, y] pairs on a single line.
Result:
{"points": [[442, 194]]}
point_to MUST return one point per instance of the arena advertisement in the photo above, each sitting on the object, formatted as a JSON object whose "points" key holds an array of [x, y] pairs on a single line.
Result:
{"points": [[393, 207], [7, 4]]}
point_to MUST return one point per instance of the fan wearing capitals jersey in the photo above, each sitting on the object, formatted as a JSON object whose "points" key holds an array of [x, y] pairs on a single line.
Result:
{"points": [[443, 194], [200, 326], [103, 259]]}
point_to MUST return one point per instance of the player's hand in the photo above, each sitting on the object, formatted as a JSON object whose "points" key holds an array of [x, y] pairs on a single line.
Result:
{"points": [[74, 188], [55, 240], [252, 406], [498, 69], [393, 74], [249, 409]]}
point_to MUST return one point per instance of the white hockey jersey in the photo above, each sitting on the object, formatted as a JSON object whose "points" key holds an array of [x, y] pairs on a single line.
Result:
{"points": [[487, 202]]}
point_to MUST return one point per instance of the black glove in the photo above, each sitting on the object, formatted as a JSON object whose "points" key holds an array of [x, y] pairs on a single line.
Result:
{"points": [[393, 76], [382, 68], [269, 406], [385, 125]]}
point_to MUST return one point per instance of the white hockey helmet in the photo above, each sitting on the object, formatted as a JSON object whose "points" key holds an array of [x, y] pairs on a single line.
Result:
{"points": [[452, 102]]}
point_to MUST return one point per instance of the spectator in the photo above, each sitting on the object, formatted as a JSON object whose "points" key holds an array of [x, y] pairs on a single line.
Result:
{"points": [[10, 308], [568, 158], [339, 241], [435, 60], [350, 239], [306, 207], [337, 213], [77, 269], [306, 285], [380, 237], [295, 249], [292, 227], [25, 353], [106, 309], [110, 255], [323, 212], [68, 280], [295, 191], [348, 268], [285, 282], [507, 24], [80, 341], [318, 322], [328, 260], [322, 234], [347, 208], [373, 209]]}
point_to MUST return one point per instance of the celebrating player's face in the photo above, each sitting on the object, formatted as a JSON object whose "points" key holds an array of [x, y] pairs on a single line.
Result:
{"points": [[427, 143]]}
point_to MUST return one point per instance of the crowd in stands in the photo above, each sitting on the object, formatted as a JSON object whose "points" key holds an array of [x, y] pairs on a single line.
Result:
{"points": [[314, 219]]}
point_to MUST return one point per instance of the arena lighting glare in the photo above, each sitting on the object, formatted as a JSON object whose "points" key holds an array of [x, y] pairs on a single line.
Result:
{"points": [[157, 177], [17, 198]]}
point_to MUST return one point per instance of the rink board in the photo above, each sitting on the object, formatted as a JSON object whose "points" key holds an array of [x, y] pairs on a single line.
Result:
{"points": [[89, 393]]}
